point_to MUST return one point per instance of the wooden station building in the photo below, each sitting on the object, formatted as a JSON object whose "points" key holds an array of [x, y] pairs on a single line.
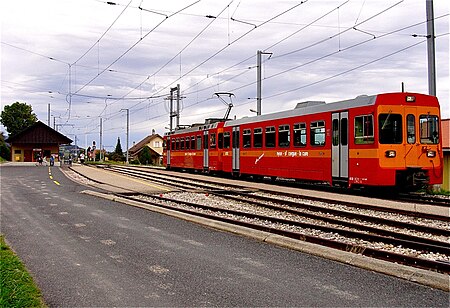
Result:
{"points": [[34, 141]]}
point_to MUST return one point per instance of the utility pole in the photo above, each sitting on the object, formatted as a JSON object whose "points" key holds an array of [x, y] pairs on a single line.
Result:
{"points": [[177, 122], [48, 116], [431, 49], [173, 113], [101, 137], [128, 130], [259, 54]]}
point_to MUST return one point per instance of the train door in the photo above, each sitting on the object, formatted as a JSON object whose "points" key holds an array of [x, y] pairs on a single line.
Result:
{"points": [[205, 150], [412, 150], [235, 150], [339, 147]]}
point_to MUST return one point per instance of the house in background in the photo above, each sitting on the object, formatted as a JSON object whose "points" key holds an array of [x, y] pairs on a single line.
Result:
{"points": [[155, 144], [34, 141], [445, 124]]}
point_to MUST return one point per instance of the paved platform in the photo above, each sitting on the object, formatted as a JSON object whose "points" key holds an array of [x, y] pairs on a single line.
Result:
{"points": [[117, 183]]}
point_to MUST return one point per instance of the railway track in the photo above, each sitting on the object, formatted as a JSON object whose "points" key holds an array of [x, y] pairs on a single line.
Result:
{"points": [[419, 242]]}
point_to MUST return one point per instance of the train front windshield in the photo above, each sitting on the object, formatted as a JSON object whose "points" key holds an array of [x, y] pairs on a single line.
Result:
{"points": [[391, 128]]}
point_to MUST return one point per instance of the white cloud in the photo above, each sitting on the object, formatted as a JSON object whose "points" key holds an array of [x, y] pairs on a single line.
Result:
{"points": [[64, 30]]}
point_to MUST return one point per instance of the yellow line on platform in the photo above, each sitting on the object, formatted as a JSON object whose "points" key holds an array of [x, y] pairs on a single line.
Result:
{"points": [[56, 182]]}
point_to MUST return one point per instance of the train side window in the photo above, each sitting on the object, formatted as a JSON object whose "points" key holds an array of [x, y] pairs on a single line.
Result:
{"points": [[364, 129], [335, 126], [226, 140], [205, 141], [182, 144], [212, 141], [199, 142], [257, 138], [344, 131], [317, 133], [284, 136], [188, 143], [429, 129], [390, 128], [177, 144], [193, 142], [220, 140], [270, 137], [300, 134], [247, 138], [411, 128]]}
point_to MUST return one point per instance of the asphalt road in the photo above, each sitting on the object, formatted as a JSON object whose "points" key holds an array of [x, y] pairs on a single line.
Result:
{"points": [[85, 251]]}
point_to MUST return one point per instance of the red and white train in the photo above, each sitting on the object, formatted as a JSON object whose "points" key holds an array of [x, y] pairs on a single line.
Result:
{"points": [[390, 139]]}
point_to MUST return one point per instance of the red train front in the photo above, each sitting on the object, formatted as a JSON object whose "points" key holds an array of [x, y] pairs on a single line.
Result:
{"points": [[383, 140]]}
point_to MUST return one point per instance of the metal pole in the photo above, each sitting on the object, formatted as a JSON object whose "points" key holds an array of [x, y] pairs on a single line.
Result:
{"points": [[48, 116], [178, 106], [258, 82], [171, 110], [128, 130], [431, 49], [101, 137]]}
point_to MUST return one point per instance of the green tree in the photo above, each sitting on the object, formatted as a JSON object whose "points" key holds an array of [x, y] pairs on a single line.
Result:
{"points": [[17, 117], [145, 157], [117, 155]]}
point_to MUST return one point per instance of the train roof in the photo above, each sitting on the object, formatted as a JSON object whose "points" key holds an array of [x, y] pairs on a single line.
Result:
{"points": [[309, 107]]}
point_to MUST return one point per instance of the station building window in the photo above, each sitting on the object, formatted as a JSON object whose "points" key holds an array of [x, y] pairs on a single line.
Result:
{"points": [[247, 138], [284, 136], [257, 138], [300, 134], [364, 129], [317, 133]]}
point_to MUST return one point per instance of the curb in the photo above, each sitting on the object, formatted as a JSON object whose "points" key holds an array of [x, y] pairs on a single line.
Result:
{"points": [[420, 276]]}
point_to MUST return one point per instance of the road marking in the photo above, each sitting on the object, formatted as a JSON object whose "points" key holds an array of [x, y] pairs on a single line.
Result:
{"points": [[56, 182]]}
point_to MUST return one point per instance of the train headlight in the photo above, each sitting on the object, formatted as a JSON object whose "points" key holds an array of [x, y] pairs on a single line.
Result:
{"points": [[390, 154], [431, 153]]}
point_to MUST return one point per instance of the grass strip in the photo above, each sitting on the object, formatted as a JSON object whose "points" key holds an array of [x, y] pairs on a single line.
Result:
{"points": [[17, 288]]}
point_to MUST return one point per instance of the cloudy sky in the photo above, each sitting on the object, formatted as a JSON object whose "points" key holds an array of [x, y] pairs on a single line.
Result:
{"points": [[93, 59]]}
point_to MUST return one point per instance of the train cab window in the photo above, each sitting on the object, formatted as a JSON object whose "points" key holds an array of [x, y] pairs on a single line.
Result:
{"points": [[199, 143], [284, 136], [270, 137], [246, 138], [212, 141], [193, 142], [390, 128], [182, 144], [300, 134], [257, 138], [226, 140], [411, 129], [364, 129], [220, 140], [317, 133], [429, 129], [164, 144]]}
